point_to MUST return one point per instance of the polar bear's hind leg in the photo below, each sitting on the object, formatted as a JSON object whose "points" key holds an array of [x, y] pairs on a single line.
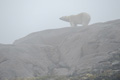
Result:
{"points": [[85, 21]]}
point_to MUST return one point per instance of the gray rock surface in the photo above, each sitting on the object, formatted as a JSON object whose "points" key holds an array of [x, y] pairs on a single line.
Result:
{"points": [[64, 51]]}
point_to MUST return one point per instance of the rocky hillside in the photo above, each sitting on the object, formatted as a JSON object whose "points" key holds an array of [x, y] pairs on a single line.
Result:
{"points": [[67, 51]]}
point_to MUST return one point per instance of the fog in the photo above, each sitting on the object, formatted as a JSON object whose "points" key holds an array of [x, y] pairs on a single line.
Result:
{"points": [[18, 18]]}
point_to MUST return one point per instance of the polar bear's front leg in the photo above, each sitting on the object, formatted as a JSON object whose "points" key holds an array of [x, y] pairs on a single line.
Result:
{"points": [[73, 24]]}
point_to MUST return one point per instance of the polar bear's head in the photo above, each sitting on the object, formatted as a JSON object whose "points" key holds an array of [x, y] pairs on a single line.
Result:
{"points": [[65, 18]]}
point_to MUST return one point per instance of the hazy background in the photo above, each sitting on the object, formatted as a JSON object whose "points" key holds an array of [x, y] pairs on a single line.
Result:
{"points": [[18, 18]]}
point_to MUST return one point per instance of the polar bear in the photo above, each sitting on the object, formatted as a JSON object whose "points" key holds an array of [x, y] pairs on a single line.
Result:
{"points": [[82, 18]]}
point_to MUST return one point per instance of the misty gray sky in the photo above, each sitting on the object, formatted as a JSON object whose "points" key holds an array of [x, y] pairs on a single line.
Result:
{"points": [[18, 18]]}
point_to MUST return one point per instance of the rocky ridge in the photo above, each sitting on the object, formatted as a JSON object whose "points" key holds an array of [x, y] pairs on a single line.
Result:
{"points": [[66, 51]]}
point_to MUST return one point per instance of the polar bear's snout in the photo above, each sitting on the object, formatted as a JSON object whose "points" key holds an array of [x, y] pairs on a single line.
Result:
{"points": [[60, 18], [64, 18]]}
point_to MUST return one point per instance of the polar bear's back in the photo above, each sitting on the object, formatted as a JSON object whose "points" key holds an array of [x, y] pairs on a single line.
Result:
{"points": [[80, 18], [76, 18]]}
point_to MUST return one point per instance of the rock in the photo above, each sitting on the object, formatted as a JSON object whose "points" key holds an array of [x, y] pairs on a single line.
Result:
{"points": [[66, 51]]}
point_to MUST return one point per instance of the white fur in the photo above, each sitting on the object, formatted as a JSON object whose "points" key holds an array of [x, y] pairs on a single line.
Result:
{"points": [[82, 18]]}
